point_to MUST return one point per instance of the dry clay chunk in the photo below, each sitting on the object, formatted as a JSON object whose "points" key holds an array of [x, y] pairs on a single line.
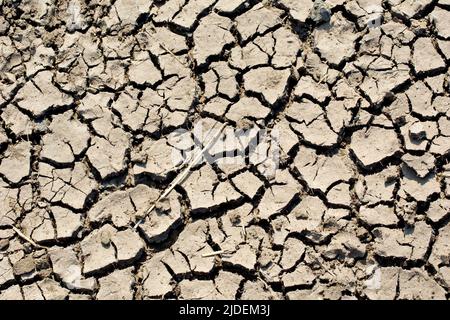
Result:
{"points": [[15, 162], [373, 145], [211, 36], [107, 246]]}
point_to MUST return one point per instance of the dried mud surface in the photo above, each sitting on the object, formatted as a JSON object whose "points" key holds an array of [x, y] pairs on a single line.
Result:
{"points": [[359, 207]]}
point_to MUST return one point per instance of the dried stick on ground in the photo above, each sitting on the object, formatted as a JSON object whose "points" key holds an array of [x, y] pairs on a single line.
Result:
{"points": [[212, 254], [168, 51], [182, 176], [28, 239], [216, 253]]}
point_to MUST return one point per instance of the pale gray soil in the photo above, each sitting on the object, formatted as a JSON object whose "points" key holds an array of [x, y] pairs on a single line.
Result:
{"points": [[358, 90]]}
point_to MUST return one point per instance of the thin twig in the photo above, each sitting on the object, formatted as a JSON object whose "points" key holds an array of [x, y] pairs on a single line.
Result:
{"points": [[212, 254], [328, 270], [216, 253], [324, 77], [167, 50], [182, 175], [28, 239], [243, 232], [260, 276]]}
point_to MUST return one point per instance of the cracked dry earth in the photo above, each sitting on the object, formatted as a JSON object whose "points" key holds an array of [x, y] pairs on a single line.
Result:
{"points": [[358, 207]]}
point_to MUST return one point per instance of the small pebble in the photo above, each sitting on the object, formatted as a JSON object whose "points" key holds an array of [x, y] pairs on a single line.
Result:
{"points": [[105, 238]]}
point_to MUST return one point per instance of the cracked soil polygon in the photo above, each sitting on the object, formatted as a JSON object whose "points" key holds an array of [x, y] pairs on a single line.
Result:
{"points": [[98, 99]]}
